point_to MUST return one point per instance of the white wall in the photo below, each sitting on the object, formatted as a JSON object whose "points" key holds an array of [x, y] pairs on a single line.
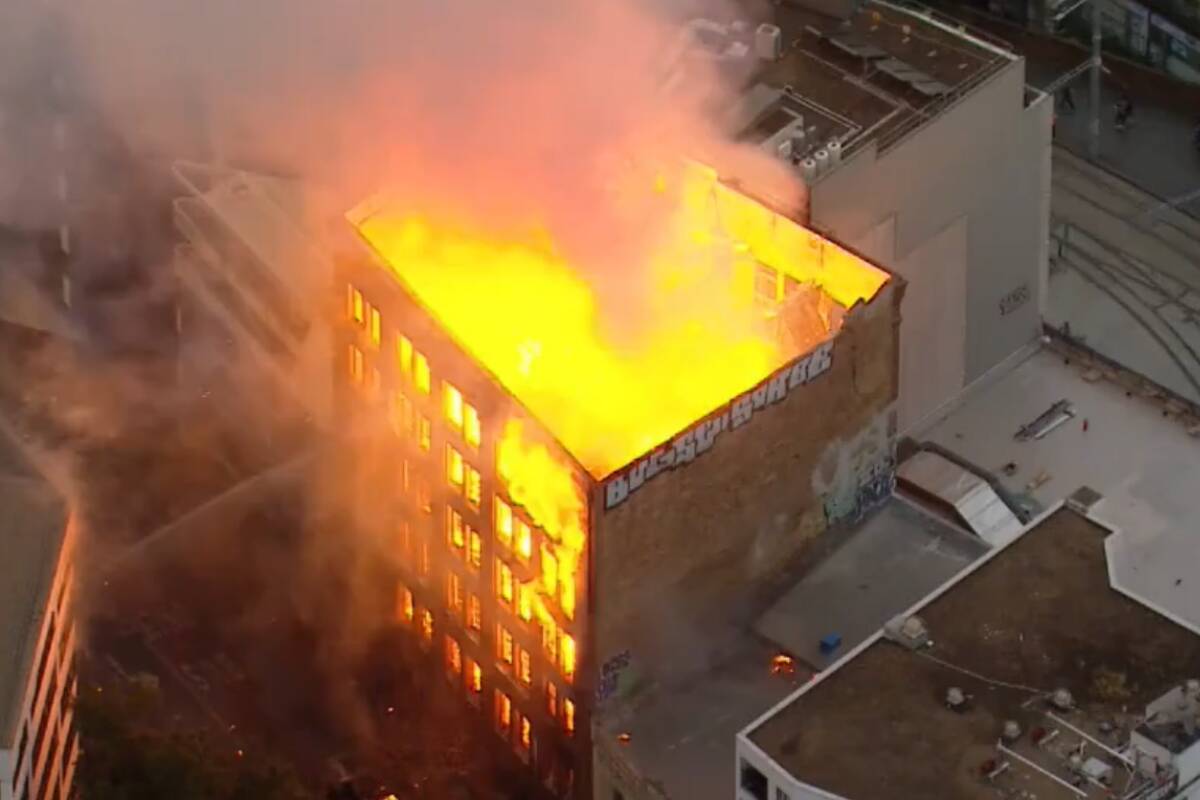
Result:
{"points": [[985, 160], [36, 696], [933, 334]]}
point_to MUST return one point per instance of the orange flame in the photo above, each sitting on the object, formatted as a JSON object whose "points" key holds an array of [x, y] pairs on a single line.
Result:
{"points": [[611, 392], [547, 489]]}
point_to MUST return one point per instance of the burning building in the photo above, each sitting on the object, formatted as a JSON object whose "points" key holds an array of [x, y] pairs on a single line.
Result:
{"points": [[545, 481], [556, 480]]}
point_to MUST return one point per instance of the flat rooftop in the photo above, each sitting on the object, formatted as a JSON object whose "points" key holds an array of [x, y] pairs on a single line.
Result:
{"points": [[874, 76], [881, 567], [682, 736], [1132, 448], [1037, 616], [31, 537]]}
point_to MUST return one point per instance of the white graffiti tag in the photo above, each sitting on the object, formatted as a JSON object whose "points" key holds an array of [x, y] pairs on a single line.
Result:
{"points": [[701, 437]]}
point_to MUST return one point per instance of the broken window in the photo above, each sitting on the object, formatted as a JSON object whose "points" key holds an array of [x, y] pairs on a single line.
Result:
{"points": [[504, 583], [504, 523], [524, 540], [453, 657], [421, 373], [453, 405], [471, 428]]}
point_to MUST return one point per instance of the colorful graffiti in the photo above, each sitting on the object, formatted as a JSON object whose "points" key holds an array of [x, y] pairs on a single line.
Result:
{"points": [[610, 676], [848, 507], [856, 475]]}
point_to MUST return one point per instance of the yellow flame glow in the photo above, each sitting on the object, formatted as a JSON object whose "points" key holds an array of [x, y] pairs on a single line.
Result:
{"points": [[534, 320]]}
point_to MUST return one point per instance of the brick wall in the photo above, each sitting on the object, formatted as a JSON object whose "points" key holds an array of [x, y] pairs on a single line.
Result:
{"points": [[692, 537]]}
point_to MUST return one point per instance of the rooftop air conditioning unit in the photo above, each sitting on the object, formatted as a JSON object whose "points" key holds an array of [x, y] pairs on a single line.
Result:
{"points": [[768, 42]]}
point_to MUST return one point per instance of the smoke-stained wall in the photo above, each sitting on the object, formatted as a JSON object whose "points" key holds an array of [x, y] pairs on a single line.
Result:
{"points": [[806, 450]]}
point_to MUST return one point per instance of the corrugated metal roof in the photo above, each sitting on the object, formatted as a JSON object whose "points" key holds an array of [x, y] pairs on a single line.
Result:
{"points": [[975, 501]]}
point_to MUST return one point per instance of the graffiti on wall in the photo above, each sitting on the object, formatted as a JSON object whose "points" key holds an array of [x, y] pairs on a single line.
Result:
{"points": [[699, 439], [855, 476], [610, 676]]}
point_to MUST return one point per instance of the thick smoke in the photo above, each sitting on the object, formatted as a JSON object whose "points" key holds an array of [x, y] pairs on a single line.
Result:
{"points": [[505, 116]]}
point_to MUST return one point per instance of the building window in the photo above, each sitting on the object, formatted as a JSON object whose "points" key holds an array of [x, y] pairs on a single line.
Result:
{"points": [[566, 650], [354, 304], [424, 432], [376, 327], [455, 469], [453, 405], [549, 571], [404, 354], [780, 794], [474, 678], [504, 583], [524, 667], [474, 489], [526, 736], [404, 604], [454, 593], [475, 549], [552, 699], [401, 414], [421, 373], [504, 523], [356, 366], [752, 781], [504, 645], [503, 713], [471, 428], [474, 613], [427, 626], [524, 537], [568, 717], [456, 533], [424, 497], [550, 641], [423, 563], [525, 601], [375, 385], [566, 596], [453, 657]]}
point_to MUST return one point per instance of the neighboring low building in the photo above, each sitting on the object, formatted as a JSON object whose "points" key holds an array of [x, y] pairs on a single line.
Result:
{"points": [[38, 744], [924, 150], [1028, 673]]}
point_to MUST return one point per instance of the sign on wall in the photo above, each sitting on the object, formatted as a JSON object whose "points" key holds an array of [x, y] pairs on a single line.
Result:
{"points": [[699, 439]]}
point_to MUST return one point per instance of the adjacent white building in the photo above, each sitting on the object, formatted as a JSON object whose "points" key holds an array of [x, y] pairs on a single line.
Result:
{"points": [[924, 150], [38, 683]]}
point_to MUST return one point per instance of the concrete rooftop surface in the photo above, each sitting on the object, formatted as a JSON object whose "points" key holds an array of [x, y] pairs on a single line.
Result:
{"points": [[892, 560], [1129, 448], [1036, 616]]}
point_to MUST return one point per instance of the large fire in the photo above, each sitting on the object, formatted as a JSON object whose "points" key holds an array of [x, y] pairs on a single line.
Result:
{"points": [[610, 394]]}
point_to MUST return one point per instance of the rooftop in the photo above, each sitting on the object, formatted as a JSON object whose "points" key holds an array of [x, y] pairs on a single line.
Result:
{"points": [[30, 539], [682, 736], [875, 76], [1126, 444], [1037, 616]]}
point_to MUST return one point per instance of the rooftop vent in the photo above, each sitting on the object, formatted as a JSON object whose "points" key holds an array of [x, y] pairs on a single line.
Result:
{"points": [[1062, 699], [1083, 500], [768, 42]]}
